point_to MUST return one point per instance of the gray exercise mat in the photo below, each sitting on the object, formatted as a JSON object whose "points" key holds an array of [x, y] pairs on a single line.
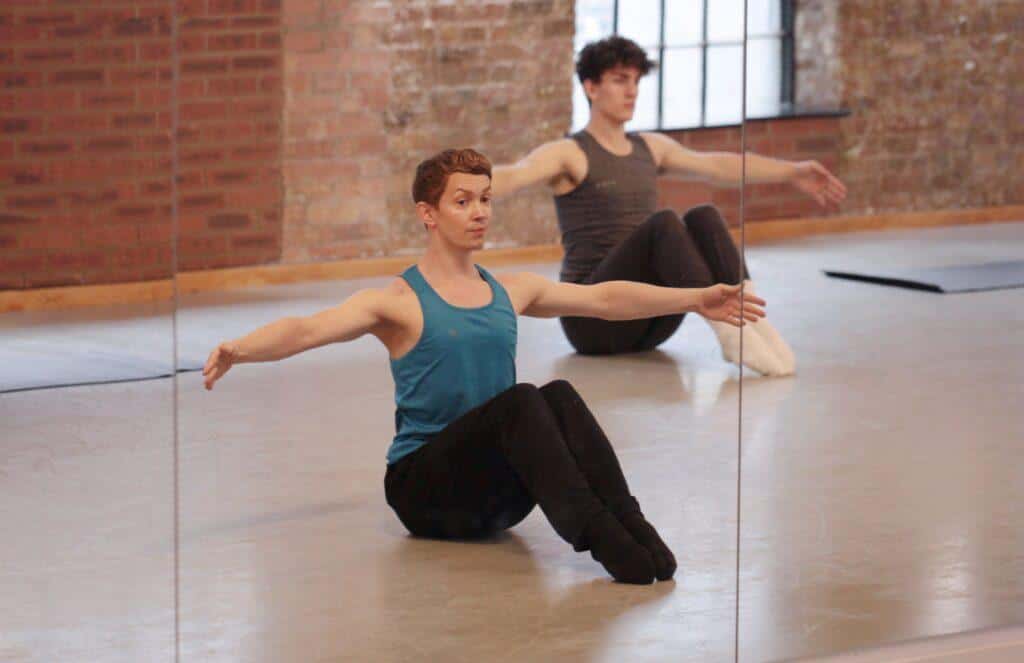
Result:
{"points": [[43, 350], [127, 342], [33, 372], [958, 278]]}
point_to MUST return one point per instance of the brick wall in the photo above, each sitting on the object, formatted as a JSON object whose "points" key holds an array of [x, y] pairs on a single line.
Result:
{"points": [[300, 122], [816, 53], [87, 156], [798, 139], [374, 87], [496, 76], [229, 100], [935, 119], [934, 90], [335, 129], [85, 145]]}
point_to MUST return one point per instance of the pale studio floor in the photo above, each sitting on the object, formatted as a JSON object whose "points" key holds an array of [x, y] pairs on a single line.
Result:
{"points": [[881, 490]]}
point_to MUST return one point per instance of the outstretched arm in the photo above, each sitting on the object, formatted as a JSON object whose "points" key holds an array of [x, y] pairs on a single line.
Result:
{"points": [[540, 297], [359, 314], [726, 169], [545, 163]]}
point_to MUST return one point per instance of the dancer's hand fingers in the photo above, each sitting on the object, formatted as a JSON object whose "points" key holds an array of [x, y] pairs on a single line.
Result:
{"points": [[217, 373], [753, 299], [211, 361], [727, 290], [750, 311], [756, 311], [836, 185]]}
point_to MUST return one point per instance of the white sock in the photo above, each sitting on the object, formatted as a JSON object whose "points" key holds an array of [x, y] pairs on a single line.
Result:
{"points": [[756, 352], [773, 338]]}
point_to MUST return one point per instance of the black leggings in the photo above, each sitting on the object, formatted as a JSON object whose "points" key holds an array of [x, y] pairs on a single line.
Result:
{"points": [[487, 469], [694, 252]]}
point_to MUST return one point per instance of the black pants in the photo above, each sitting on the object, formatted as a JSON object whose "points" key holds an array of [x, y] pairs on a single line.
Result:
{"points": [[694, 252], [487, 469]]}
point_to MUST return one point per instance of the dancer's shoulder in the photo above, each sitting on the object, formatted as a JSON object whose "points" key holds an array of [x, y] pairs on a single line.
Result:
{"points": [[656, 143], [397, 293], [560, 150], [387, 301]]}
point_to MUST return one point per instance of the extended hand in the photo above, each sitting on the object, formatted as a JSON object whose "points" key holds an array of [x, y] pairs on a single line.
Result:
{"points": [[814, 179], [722, 302], [219, 362]]}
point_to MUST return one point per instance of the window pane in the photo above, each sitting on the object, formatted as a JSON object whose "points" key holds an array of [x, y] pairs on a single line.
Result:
{"points": [[646, 114], [725, 20], [593, 21], [640, 20], [725, 85], [684, 22], [764, 16], [764, 77], [580, 110], [682, 79]]}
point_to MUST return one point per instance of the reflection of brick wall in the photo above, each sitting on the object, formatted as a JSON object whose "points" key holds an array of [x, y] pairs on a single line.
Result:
{"points": [[85, 146], [229, 133], [335, 129], [816, 53], [373, 88], [934, 90], [86, 151], [305, 151], [797, 139]]}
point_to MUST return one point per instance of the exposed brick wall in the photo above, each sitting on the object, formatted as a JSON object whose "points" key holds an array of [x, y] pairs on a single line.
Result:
{"points": [[496, 76], [337, 93], [300, 122], [816, 53], [87, 105], [374, 87], [934, 90], [229, 99], [85, 145], [798, 139]]}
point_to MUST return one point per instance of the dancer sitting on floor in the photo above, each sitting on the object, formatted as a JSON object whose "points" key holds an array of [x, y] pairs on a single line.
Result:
{"points": [[604, 182], [474, 451]]}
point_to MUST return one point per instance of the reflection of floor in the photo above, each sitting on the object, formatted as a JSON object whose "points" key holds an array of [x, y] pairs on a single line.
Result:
{"points": [[86, 524], [998, 645], [881, 491], [882, 494], [116, 343]]}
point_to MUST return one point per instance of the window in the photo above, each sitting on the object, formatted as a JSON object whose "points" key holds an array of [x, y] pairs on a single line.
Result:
{"points": [[698, 45]]}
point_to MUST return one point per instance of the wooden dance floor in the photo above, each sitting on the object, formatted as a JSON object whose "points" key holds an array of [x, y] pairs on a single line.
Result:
{"points": [[881, 490]]}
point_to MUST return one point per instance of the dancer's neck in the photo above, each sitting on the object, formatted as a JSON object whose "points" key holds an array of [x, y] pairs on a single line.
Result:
{"points": [[608, 132], [447, 263]]}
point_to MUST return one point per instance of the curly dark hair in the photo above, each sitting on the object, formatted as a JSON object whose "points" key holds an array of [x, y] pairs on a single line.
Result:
{"points": [[598, 57], [432, 174]]}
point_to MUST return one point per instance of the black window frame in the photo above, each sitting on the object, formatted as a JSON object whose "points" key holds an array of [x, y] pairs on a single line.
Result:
{"points": [[787, 91]]}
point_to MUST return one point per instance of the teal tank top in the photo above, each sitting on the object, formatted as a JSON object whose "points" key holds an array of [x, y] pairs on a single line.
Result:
{"points": [[464, 357]]}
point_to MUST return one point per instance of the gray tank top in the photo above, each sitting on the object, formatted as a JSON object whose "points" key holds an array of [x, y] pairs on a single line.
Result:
{"points": [[616, 196]]}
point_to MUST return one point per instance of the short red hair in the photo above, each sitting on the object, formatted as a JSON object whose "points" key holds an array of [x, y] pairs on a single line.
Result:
{"points": [[432, 174]]}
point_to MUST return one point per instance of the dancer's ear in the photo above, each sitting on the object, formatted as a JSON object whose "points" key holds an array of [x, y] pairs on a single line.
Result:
{"points": [[426, 213], [589, 91]]}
